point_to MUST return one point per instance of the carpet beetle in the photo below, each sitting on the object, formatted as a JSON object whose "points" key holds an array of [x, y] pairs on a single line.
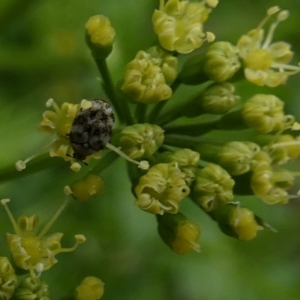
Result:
{"points": [[91, 129]]}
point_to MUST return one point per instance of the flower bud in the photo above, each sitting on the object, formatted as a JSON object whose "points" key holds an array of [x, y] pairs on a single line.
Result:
{"points": [[179, 233], [100, 36], [236, 157], [221, 61], [161, 189], [187, 161], [213, 187], [88, 187], [32, 288], [91, 288], [237, 221], [141, 140], [8, 279], [145, 81], [284, 149], [265, 113]]}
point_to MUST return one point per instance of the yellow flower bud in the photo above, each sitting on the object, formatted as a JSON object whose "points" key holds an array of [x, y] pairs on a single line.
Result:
{"points": [[141, 140], [265, 113], [100, 36], [91, 288], [221, 61], [237, 221], [146, 77], [161, 189], [88, 187], [179, 233], [213, 187], [219, 98], [236, 157]]}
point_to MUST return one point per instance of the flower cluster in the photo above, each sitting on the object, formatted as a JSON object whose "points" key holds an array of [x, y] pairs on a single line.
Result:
{"points": [[190, 142]]}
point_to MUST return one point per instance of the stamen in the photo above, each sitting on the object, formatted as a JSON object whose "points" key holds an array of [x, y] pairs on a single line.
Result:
{"points": [[53, 219], [142, 164], [10, 215]]}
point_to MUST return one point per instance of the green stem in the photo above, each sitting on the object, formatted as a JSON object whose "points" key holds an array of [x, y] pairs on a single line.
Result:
{"points": [[192, 129], [41, 162], [181, 141], [104, 162], [141, 110], [154, 115], [121, 107]]}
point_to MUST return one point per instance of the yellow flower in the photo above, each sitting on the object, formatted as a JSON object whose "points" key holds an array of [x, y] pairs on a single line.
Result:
{"points": [[179, 24], [266, 63], [59, 122], [32, 251]]}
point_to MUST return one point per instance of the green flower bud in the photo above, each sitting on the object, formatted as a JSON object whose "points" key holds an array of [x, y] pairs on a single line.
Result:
{"points": [[91, 288], [179, 233], [146, 77], [219, 98], [141, 140], [100, 36], [161, 189], [88, 187], [213, 187], [32, 288], [179, 24], [237, 221], [236, 157], [284, 148], [221, 61], [8, 279], [270, 185], [265, 114]]}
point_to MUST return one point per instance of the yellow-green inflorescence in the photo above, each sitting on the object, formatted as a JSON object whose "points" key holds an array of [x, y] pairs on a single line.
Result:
{"points": [[212, 146]]}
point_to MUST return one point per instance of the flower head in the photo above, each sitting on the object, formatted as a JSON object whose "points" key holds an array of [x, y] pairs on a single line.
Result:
{"points": [[266, 63], [179, 24], [161, 189]]}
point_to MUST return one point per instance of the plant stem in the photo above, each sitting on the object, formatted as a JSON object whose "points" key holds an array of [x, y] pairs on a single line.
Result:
{"points": [[41, 162], [121, 107]]}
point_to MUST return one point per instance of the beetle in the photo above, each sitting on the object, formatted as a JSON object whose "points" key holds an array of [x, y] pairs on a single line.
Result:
{"points": [[91, 129]]}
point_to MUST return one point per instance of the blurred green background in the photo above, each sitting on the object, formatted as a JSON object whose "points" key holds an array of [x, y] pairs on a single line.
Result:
{"points": [[43, 55]]}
